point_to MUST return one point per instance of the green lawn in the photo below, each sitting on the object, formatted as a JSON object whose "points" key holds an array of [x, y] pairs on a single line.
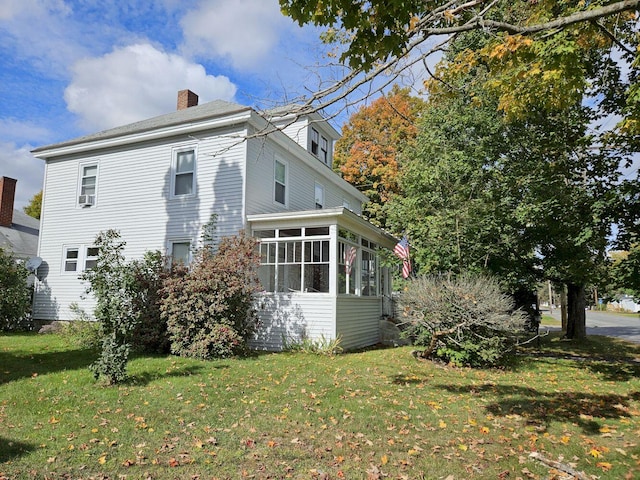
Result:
{"points": [[372, 414]]}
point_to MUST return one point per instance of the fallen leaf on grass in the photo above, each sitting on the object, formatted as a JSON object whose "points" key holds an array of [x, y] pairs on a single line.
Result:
{"points": [[606, 466]]}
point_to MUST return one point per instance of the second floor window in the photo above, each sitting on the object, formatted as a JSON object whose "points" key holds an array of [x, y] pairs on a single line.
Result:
{"points": [[88, 185], [184, 173], [280, 182], [319, 196]]}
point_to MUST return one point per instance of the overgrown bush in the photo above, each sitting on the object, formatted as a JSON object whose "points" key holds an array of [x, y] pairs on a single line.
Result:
{"points": [[149, 333], [209, 307], [15, 295], [463, 320]]}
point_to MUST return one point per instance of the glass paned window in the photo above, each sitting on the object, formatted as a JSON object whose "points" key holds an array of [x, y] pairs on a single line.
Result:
{"points": [[91, 258], [369, 278], [264, 233], [185, 172], [319, 196], [280, 182], [316, 268], [71, 257], [89, 180], [347, 261], [290, 232], [324, 150], [267, 269], [347, 235], [315, 140], [316, 231], [181, 252], [290, 266]]}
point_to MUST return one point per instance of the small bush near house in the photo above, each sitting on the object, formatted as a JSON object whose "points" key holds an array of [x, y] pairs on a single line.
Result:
{"points": [[209, 307], [15, 295], [149, 333], [463, 320], [82, 331], [113, 286]]}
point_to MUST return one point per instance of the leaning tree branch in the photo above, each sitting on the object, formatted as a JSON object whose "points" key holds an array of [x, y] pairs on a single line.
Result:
{"points": [[480, 22], [612, 37]]}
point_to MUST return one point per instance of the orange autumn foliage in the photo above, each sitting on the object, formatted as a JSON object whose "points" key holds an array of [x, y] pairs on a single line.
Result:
{"points": [[372, 140]]}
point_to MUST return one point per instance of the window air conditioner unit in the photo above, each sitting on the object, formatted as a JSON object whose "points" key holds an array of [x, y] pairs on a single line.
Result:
{"points": [[86, 200]]}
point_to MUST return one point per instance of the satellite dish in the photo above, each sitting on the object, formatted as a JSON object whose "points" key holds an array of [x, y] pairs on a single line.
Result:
{"points": [[33, 263]]}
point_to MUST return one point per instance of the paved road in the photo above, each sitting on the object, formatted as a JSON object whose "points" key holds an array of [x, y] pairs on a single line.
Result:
{"points": [[609, 324]]}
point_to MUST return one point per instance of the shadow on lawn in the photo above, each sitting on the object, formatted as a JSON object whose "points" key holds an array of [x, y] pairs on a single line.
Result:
{"points": [[10, 449], [14, 366], [542, 407]]}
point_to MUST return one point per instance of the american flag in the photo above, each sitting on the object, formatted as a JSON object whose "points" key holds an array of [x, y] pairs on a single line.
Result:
{"points": [[402, 251], [349, 259]]}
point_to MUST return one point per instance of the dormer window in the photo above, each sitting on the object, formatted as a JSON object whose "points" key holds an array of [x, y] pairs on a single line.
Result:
{"points": [[315, 141], [324, 150]]}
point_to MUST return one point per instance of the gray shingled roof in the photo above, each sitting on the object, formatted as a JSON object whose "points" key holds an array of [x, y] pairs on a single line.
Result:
{"points": [[22, 237], [214, 109]]}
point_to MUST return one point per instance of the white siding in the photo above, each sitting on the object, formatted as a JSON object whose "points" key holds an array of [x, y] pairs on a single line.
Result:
{"points": [[289, 318], [133, 197], [300, 185], [297, 131], [358, 321]]}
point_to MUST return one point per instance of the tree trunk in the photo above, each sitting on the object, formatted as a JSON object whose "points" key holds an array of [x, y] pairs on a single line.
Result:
{"points": [[563, 307], [576, 317]]}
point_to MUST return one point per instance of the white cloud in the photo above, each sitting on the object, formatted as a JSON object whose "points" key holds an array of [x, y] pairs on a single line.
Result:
{"points": [[10, 9], [137, 82], [41, 32], [11, 129], [17, 162], [244, 32]]}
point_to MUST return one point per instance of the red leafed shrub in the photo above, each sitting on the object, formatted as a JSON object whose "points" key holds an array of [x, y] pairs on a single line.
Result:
{"points": [[208, 307]]}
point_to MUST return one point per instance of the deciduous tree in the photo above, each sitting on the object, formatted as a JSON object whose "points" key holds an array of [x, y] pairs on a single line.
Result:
{"points": [[372, 141], [34, 207]]}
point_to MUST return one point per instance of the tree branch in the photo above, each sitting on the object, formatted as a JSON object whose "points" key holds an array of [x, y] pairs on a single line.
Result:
{"points": [[578, 17]]}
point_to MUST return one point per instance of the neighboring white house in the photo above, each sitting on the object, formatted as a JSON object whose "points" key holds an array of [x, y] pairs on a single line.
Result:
{"points": [[158, 182]]}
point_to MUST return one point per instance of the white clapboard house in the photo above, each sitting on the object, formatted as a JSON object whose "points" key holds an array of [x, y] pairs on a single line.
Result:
{"points": [[158, 181]]}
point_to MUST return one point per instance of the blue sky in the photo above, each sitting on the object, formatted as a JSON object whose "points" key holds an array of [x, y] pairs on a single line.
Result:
{"points": [[68, 68]]}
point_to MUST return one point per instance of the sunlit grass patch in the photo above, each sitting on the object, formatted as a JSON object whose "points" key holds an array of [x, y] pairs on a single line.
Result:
{"points": [[378, 413]]}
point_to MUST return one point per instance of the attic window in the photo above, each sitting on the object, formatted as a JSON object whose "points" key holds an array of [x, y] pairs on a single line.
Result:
{"points": [[324, 150], [315, 141]]}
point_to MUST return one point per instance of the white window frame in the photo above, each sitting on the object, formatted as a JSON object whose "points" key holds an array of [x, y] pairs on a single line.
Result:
{"points": [[324, 149], [89, 258], [80, 191], [170, 246], [319, 195], [174, 171], [314, 142], [277, 182], [65, 258]]}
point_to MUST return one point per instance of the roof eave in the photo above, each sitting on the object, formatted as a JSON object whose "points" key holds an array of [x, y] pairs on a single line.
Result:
{"points": [[79, 146]]}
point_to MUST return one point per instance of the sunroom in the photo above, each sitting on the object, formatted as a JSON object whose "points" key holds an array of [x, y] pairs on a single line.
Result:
{"points": [[322, 277]]}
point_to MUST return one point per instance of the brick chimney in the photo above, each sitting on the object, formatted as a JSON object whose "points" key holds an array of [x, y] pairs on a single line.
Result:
{"points": [[7, 196], [186, 99]]}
